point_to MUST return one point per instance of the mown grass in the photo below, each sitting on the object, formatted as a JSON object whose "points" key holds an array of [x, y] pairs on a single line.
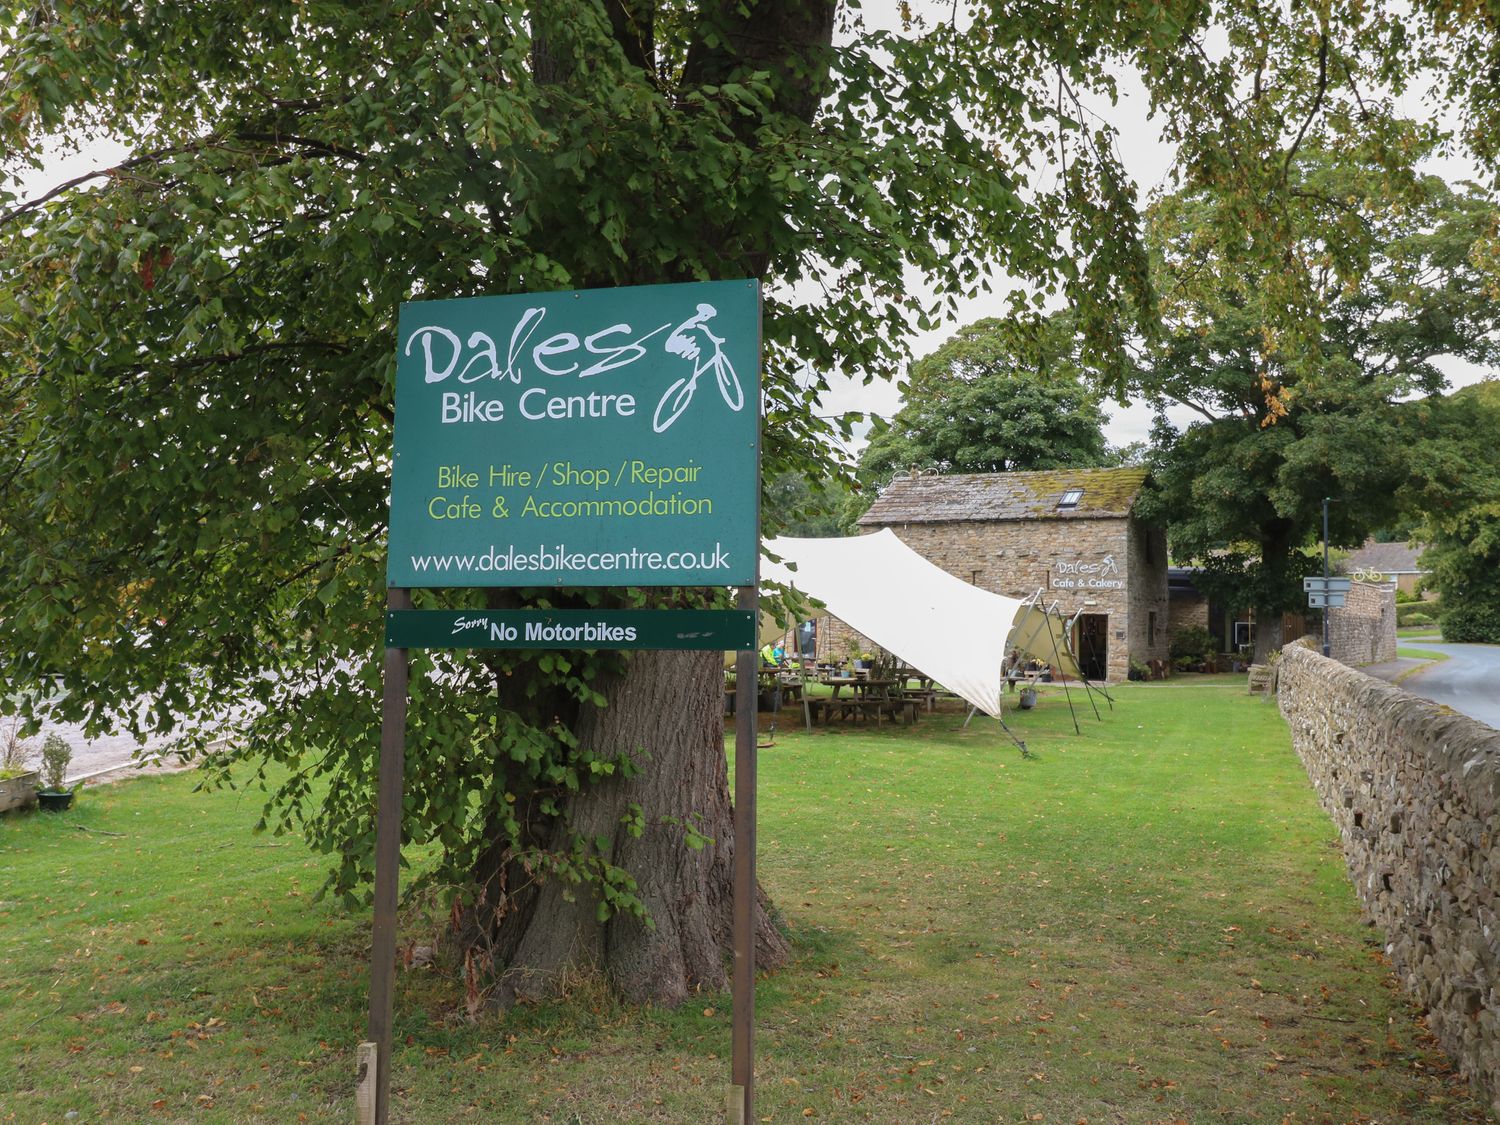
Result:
{"points": [[1149, 922], [1420, 653]]}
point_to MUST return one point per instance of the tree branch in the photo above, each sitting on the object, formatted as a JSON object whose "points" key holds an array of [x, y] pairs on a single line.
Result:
{"points": [[1317, 105], [125, 167]]}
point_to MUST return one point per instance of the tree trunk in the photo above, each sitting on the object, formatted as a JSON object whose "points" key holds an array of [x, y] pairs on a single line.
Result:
{"points": [[1269, 635], [548, 931], [1270, 620], [667, 706]]}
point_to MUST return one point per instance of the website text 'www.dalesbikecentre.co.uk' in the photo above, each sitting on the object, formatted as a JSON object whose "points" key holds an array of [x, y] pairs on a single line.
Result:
{"points": [[560, 558]]}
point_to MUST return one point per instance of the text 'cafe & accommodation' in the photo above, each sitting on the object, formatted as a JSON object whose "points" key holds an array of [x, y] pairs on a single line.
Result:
{"points": [[1069, 532]]}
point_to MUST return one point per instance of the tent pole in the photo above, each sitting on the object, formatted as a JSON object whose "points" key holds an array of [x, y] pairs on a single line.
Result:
{"points": [[1067, 632], [1087, 687], [1066, 693], [1025, 753], [802, 668]]}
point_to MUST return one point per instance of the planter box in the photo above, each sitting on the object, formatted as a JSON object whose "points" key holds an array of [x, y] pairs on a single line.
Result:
{"points": [[18, 792]]}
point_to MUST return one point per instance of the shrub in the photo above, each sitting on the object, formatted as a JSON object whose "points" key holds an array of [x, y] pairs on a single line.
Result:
{"points": [[1192, 640], [1472, 623], [56, 754], [1417, 613], [15, 752]]}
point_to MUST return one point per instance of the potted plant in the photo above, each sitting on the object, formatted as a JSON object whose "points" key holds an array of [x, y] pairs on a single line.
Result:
{"points": [[18, 780], [56, 754]]}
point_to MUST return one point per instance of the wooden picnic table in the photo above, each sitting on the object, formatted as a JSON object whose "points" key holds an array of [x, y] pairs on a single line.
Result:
{"points": [[868, 698]]}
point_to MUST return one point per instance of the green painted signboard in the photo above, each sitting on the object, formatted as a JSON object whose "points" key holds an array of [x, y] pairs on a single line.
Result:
{"points": [[604, 437], [718, 630]]}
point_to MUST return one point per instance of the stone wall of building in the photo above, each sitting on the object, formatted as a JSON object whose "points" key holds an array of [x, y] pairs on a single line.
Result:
{"points": [[1415, 792], [1186, 613], [1105, 566], [1146, 592], [1363, 629]]}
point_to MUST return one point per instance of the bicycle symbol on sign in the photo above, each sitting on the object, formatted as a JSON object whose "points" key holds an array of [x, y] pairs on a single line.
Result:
{"points": [[685, 343]]}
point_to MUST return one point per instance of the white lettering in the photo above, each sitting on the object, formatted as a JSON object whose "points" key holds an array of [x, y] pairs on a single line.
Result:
{"points": [[592, 405], [555, 345], [485, 352], [426, 333], [469, 407], [616, 357], [529, 323]]}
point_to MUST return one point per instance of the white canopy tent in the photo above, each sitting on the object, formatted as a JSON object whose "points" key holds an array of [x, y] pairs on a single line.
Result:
{"points": [[954, 632]]}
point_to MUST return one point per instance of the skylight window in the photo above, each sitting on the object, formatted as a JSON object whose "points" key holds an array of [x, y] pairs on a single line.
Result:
{"points": [[1070, 499]]}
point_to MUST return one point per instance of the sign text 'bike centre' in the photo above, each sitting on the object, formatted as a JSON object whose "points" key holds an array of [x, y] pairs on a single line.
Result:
{"points": [[602, 437]]}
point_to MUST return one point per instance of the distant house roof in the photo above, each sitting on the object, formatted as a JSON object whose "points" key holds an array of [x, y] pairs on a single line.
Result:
{"points": [[1387, 558], [1103, 494]]}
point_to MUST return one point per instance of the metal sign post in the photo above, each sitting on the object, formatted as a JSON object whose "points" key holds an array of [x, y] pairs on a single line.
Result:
{"points": [[573, 455]]}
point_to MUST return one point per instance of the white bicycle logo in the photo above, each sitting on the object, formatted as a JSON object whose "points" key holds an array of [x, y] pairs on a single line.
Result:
{"points": [[683, 342]]}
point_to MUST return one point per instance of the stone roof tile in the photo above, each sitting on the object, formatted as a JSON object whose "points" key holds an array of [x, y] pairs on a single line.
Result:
{"points": [[1107, 493], [1387, 558]]}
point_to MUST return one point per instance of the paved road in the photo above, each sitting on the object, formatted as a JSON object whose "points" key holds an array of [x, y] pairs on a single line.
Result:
{"points": [[1468, 681], [92, 755]]}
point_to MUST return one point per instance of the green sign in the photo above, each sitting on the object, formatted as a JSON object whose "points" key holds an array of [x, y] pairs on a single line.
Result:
{"points": [[608, 437], [719, 630]]}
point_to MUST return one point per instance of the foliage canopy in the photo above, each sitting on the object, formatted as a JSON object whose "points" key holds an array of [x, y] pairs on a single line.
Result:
{"points": [[197, 343], [998, 396], [1286, 418], [1455, 485]]}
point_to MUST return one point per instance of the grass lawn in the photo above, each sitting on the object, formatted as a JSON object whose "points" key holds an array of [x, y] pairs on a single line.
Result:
{"points": [[1148, 923], [1420, 653]]}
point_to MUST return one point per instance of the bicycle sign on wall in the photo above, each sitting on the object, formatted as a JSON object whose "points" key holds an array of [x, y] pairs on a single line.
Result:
{"points": [[602, 437]]}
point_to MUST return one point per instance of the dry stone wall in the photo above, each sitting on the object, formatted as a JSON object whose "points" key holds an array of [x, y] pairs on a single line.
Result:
{"points": [[1363, 630], [1414, 789]]}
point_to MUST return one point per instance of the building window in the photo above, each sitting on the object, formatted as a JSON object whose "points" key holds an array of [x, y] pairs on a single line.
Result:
{"points": [[1151, 628], [1070, 499]]}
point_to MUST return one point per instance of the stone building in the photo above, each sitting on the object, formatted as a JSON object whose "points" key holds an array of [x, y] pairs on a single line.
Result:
{"points": [[1395, 562], [1069, 533], [1232, 628]]}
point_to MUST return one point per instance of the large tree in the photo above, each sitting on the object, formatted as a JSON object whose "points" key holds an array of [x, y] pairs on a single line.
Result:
{"points": [[1454, 496], [1298, 403], [998, 396], [198, 349]]}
